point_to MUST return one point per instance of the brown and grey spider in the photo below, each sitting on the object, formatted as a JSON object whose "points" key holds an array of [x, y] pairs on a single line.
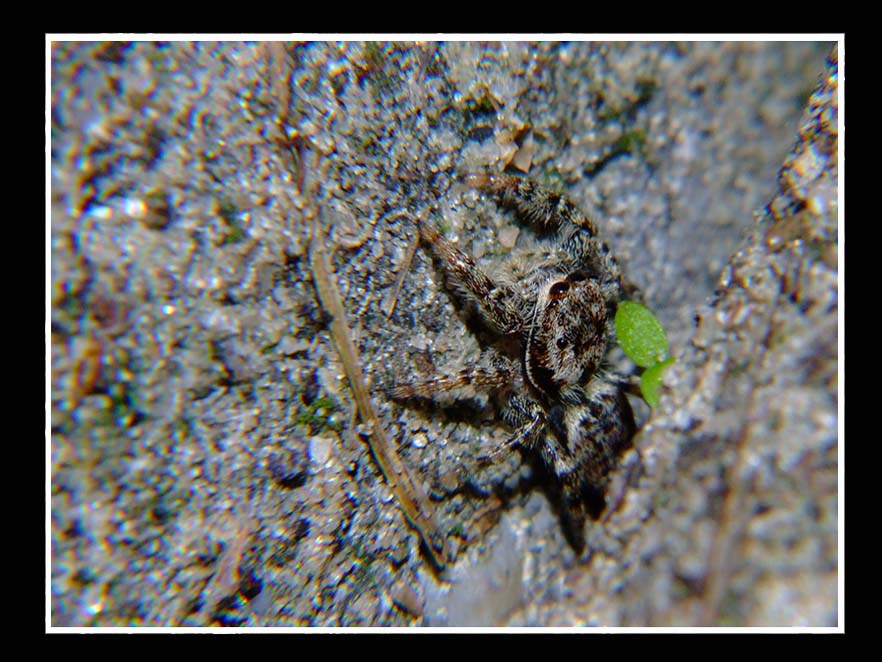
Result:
{"points": [[551, 317]]}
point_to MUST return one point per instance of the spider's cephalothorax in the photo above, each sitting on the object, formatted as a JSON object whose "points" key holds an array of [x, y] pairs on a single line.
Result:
{"points": [[553, 316]]}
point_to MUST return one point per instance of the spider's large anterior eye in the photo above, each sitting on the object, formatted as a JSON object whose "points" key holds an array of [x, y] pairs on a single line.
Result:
{"points": [[562, 342], [559, 289]]}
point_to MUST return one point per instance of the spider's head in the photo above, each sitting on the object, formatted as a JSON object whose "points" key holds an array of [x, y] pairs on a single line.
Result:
{"points": [[567, 339]]}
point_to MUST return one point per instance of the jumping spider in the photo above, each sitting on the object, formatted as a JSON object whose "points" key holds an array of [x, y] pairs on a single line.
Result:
{"points": [[552, 321]]}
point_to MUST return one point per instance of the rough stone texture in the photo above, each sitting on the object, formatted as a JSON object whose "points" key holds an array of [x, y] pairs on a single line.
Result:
{"points": [[207, 466]]}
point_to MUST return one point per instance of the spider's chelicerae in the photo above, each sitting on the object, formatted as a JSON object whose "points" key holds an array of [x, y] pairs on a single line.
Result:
{"points": [[550, 315]]}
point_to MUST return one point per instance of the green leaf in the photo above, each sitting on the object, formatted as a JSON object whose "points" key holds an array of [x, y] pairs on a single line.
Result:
{"points": [[651, 381], [640, 334]]}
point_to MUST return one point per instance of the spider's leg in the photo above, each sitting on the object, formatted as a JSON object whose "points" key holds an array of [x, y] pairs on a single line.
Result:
{"points": [[523, 436], [500, 304], [628, 383], [535, 204], [527, 417], [553, 211], [477, 376]]}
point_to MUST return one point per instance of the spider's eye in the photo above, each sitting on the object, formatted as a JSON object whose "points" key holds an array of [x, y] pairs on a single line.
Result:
{"points": [[562, 342], [559, 289], [576, 277]]}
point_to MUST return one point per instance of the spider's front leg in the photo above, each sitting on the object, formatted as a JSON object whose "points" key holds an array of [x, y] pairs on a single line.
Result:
{"points": [[555, 212], [499, 303]]}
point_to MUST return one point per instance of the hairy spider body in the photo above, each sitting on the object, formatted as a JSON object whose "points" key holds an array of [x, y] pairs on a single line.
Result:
{"points": [[554, 320]]}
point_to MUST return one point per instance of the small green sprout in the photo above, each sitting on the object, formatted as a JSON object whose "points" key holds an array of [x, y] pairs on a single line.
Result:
{"points": [[651, 381], [633, 142], [319, 414], [458, 530], [640, 334], [324, 403], [231, 216], [643, 340]]}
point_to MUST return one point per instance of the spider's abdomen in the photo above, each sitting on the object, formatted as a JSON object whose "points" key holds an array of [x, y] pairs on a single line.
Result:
{"points": [[596, 433]]}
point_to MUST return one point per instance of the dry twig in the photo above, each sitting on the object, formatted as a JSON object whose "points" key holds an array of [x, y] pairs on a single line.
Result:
{"points": [[410, 495], [403, 268]]}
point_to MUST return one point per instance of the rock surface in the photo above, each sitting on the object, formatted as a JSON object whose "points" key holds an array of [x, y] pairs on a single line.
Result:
{"points": [[207, 464]]}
